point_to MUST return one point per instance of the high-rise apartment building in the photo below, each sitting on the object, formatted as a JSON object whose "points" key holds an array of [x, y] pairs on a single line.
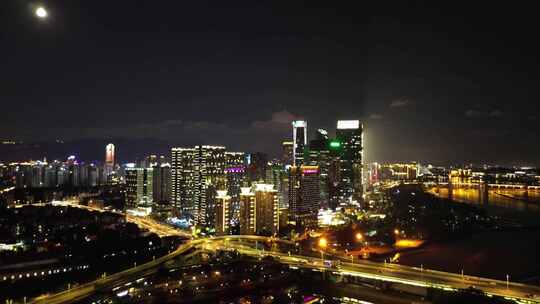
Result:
{"points": [[349, 135], [183, 181], [209, 177], [304, 195], [235, 171], [259, 210], [223, 214], [162, 183], [197, 173], [266, 209], [247, 211], [139, 187]]}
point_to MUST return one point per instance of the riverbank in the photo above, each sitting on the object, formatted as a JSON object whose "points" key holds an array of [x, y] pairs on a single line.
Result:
{"points": [[488, 254]]}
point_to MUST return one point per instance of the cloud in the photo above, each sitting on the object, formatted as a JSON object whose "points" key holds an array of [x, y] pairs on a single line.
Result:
{"points": [[495, 113], [402, 102], [261, 135], [483, 113], [375, 116], [279, 122]]}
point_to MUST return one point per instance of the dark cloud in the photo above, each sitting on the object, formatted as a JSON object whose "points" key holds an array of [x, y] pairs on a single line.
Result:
{"points": [[205, 72], [399, 103], [483, 113]]}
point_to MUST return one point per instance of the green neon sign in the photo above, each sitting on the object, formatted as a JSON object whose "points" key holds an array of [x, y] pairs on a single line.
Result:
{"points": [[335, 144]]}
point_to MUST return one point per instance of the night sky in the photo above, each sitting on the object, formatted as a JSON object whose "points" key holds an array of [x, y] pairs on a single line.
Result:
{"points": [[440, 84]]}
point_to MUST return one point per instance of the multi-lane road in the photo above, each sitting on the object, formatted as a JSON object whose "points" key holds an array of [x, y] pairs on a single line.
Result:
{"points": [[369, 270], [365, 269], [408, 275]]}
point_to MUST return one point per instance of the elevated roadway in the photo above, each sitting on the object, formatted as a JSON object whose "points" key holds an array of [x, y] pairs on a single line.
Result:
{"points": [[365, 269]]}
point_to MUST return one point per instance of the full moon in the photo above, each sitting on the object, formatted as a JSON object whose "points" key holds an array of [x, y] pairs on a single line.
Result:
{"points": [[41, 12]]}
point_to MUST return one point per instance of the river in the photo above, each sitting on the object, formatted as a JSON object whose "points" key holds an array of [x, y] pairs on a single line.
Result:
{"points": [[508, 203]]}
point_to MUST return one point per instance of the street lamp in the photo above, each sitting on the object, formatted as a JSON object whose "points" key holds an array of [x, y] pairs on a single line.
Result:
{"points": [[396, 231], [359, 236], [322, 244]]}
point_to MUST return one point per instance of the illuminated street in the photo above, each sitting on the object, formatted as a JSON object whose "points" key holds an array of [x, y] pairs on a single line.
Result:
{"points": [[367, 270]]}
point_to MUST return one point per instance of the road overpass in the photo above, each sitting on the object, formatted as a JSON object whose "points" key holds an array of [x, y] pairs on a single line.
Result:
{"points": [[363, 269], [395, 273]]}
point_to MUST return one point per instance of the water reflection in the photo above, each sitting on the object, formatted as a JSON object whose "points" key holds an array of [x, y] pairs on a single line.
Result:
{"points": [[515, 203]]}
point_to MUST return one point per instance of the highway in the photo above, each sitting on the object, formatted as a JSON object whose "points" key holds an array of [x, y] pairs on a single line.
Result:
{"points": [[387, 272], [396, 273], [85, 290], [369, 270], [143, 222]]}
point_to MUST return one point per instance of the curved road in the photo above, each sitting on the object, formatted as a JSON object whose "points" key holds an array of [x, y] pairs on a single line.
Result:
{"points": [[365, 269]]}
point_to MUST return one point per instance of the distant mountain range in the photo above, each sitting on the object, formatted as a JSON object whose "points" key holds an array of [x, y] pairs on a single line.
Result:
{"points": [[127, 150]]}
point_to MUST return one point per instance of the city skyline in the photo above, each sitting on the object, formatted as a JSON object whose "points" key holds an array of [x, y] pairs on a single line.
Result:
{"points": [[429, 81], [269, 152]]}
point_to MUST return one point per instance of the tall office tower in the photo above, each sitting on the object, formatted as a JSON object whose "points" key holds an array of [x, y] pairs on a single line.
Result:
{"points": [[266, 209], [349, 135], [235, 171], [257, 163], [334, 176], [139, 187], [162, 182], [110, 159], [287, 156], [304, 195], [209, 177], [299, 141], [319, 155], [247, 211], [183, 181], [223, 214]]}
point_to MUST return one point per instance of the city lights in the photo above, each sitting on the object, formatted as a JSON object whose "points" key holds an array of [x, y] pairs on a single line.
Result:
{"points": [[277, 152]]}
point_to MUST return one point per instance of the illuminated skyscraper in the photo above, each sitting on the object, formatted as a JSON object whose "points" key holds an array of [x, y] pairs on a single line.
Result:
{"points": [[247, 211], [139, 187], [275, 175], [183, 181], [109, 158], [287, 156], [349, 135], [299, 141], [319, 155], [209, 177], [259, 210], [304, 195], [257, 164], [235, 171], [266, 209], [197, 173], [162, 183], [223, 214]]}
